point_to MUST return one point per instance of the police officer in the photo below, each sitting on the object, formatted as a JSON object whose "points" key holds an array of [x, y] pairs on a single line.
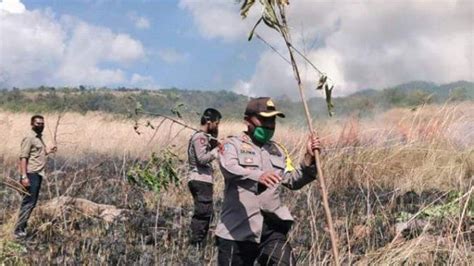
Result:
{"points": [[254, 224], [202, 150], [33, 156]]}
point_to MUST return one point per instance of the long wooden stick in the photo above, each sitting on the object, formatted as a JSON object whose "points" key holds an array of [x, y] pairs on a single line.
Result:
{"points": [[14, 185], [55, 141], [322, 181], [174, 121], [294, 49]]}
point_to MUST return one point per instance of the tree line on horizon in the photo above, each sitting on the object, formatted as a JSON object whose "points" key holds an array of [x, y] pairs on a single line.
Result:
{"points": [[189, 103]]}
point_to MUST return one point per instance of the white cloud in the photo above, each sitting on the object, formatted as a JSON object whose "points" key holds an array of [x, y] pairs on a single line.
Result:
{"points": [[137, 78], [140, 22], [208, 16], [172, 56], [34, 48], [44, 49], [146, 82], [88, 47], [243, 87], [359, 44], [12, 6]]}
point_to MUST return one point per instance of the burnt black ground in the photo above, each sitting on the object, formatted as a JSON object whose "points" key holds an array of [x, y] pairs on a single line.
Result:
{"points": [[144, 236]]}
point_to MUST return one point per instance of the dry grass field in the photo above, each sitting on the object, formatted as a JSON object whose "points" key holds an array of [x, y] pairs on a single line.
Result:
{"points": [[400, 188]]}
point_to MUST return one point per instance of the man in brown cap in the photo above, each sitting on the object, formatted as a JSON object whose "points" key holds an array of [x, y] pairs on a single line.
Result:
{"points": [[254, 224]]}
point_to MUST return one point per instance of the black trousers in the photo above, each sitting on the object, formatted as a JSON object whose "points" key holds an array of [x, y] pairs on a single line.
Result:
{"points": [[274, 248], [203, 210], [29, 201]]}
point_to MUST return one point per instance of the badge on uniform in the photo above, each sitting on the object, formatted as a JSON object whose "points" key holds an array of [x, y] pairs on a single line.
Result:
{"points": [[245, 138], [246, 149], [202, 141], [248, 160], [246, 146]]}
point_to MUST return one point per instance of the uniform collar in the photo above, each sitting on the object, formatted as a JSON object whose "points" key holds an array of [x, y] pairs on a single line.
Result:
{"points": [[246, 138]]}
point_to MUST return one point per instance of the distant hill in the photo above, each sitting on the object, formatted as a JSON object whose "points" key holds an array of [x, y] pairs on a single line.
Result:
{"points": [[190, 103], [421, 85], [409, 94]]}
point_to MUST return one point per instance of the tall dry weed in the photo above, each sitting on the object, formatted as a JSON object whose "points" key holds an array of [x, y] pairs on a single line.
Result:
{"points": [[378, 170]]}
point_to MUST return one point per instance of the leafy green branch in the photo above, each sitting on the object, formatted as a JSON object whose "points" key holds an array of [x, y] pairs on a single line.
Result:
{"points": [[270, 18], [157, 174]]}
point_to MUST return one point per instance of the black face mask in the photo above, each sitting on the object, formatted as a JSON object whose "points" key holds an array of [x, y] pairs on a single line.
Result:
{"points": [[38, 129]]}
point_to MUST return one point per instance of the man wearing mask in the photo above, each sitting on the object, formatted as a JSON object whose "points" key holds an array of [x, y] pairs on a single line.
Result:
{"points": [[33, 157], [254, 224], [202, 150]]}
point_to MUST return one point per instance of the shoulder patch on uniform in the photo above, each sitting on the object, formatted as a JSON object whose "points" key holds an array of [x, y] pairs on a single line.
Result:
{"points": [[227, 146], [273, 150], [202, 140]]}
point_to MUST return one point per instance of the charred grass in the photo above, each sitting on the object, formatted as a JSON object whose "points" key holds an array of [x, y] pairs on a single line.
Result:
{"points": [[400, 192]]}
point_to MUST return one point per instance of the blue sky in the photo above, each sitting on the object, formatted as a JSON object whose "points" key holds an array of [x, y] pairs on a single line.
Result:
{"points": [[170, 30], [202, 44]]}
